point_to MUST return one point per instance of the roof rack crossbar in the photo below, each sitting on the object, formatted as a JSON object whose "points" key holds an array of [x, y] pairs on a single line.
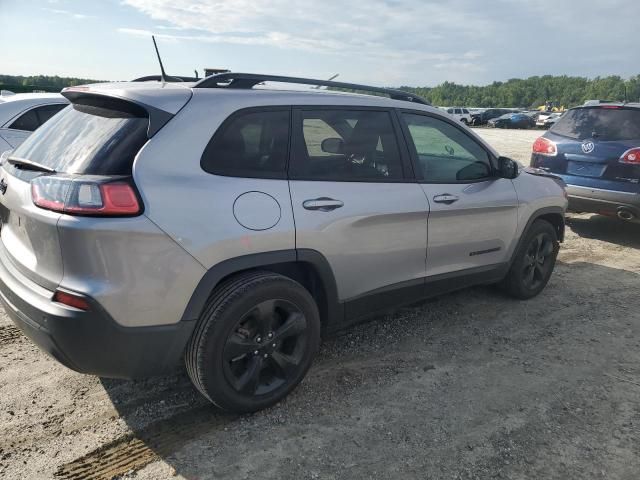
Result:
{"points": [[250, 80], [168, 78]]}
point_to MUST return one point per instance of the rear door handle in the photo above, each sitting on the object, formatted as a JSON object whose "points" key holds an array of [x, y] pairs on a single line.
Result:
{"points": [[323, 204], [445, 198]]}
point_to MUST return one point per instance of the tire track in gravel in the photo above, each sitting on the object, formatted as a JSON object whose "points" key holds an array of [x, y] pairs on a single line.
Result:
{"points": [[10, 334], [134, 451]]}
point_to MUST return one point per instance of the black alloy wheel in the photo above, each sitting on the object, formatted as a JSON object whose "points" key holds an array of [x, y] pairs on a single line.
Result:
{"points": [[266, 348], [537, 261]]}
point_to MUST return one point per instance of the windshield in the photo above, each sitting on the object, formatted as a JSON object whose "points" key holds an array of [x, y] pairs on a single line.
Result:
{"points": [[86, 140], [602, 123]]}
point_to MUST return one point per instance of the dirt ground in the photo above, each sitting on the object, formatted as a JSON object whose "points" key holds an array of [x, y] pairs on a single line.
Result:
{"points": [[472, 385]]}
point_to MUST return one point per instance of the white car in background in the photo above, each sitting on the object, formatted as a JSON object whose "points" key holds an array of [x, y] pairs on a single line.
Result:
{"points": [[22, 113], [461, 114]]}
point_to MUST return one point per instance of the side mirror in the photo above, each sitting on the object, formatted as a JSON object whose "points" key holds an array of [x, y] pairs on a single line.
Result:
{"points": [[508, 168], [332, 145]]}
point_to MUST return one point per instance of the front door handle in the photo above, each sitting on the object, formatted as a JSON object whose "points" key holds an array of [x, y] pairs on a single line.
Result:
{"points": [[445, 198], [323, 204]]}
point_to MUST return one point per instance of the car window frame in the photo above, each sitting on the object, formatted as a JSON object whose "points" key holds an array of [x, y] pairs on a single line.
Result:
{"points": [[224, 125], [298, 142], [16, 117], [493, 161]]}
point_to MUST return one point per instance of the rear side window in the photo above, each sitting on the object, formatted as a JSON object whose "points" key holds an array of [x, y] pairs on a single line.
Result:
{"points": [[28, 121], [87, 140], [35, 117], [252, 144], [345, 145], [600, 123]]}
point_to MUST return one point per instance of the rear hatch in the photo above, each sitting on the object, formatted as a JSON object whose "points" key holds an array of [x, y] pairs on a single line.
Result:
{"points": [[591, 142], [96, 137]]}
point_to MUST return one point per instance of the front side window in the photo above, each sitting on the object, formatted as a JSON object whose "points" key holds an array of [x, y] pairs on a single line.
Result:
{"points": [[251, 144], [445, 153], [344, 145]]}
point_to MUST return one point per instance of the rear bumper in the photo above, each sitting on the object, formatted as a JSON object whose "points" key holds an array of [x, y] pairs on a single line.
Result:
{"points": [[89, 342], [596, 200]]}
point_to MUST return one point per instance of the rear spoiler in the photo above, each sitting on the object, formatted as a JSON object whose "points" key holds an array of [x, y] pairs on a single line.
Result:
{"points": [[83, 96]]}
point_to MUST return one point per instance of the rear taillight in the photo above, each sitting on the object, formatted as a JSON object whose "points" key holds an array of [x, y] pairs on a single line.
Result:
{"points": [[85, 196], [631, 157], [544, 146]]}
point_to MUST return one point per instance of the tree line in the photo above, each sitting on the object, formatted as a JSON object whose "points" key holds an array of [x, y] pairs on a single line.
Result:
{"points": [[19, 83], [532, 92], [516, 93]]}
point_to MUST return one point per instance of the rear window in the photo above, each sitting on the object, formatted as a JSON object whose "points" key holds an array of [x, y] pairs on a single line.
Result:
{"points": [[87, 140], [601, 123]]}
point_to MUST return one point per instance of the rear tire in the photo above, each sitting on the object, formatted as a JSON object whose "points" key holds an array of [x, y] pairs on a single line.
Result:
{"points": [[534, 261], [254, 342]]}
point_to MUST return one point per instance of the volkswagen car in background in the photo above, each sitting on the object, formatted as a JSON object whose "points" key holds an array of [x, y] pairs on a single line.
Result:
{"points": [[22, 113], [512, 120], [595, 148]]}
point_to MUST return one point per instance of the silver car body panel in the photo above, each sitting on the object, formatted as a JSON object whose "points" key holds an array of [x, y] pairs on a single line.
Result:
{"points": [[137, 273], [474, 231], [376, 239]]}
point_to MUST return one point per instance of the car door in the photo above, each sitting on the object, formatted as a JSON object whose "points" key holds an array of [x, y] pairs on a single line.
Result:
{"points": [[473, 213], [355, 201]]}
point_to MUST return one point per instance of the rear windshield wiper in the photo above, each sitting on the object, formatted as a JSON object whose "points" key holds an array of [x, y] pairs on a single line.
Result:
{"points": [[24, 164]]}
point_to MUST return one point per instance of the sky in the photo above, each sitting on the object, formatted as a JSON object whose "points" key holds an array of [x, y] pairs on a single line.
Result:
{"points": [[379, 42]]}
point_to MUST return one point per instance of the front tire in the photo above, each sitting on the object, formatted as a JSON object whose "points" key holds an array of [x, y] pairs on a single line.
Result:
{"points": [[534, 261], [254, 342]]}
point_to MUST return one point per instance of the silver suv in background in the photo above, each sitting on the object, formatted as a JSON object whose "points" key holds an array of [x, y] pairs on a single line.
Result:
{"points": [[22, 113], [461, 114], [233, 226]]}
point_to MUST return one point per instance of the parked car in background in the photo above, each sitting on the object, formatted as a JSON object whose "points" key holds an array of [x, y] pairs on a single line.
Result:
{"points": [[483, 118], [512, 120], [596, 151], [289, 215], [461, 114], [22, 113], [548, 119]]}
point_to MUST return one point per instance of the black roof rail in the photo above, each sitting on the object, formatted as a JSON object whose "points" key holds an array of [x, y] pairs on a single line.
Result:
{"points": [[250, 80], [168, 78]]}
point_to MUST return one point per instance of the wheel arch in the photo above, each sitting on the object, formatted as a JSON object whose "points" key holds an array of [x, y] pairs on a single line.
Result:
{"points": [[553, 215], [308, 267]]}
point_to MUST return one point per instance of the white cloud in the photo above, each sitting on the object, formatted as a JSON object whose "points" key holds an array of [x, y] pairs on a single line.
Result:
{"points": [[77, 16], [460, 40]]}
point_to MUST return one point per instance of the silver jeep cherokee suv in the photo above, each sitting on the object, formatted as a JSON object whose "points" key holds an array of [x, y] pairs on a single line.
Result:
{"points": [[233, 226]]}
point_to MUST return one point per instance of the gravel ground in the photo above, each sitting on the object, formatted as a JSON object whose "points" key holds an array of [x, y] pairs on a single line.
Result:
{"points": [[472, 385]]}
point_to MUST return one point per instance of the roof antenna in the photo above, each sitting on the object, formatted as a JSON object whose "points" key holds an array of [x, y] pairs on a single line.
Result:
{"points": [[163, 75], [196, 72]]}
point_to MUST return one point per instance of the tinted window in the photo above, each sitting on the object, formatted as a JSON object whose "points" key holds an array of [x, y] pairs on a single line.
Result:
{"points": [[445, 153], [250, 144], [458, 111], [47, 111], [27, 121], [600, 123], [464, 110], [342, 145], [89, 140], [450, 110]]}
